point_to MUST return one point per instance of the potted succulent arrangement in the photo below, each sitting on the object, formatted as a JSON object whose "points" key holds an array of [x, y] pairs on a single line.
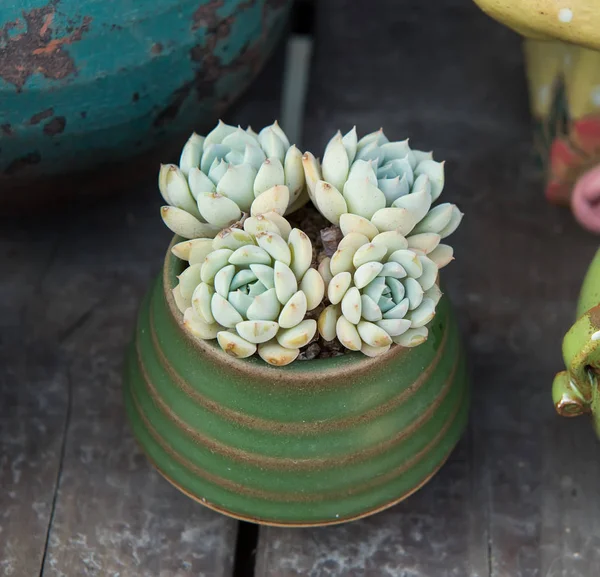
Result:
{"points": [[299, 367]]}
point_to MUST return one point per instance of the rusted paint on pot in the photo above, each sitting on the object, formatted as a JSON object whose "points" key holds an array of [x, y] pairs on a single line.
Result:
{"points": [[313, 443], [86, 83]]}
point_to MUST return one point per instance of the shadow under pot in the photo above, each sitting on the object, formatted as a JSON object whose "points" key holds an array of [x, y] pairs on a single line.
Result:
{"points": [[312, 443]]}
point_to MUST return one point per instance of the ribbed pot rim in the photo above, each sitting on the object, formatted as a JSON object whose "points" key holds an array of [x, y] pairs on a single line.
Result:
{"points": [[353, 363]]}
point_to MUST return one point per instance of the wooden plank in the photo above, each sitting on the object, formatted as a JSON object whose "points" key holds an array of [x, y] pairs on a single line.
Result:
{"points": [[519, 496], [33, 403], [33, 409], [113, 514]]}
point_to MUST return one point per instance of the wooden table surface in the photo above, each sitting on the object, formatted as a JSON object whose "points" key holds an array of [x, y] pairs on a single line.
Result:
{"points": [[520, 495]]}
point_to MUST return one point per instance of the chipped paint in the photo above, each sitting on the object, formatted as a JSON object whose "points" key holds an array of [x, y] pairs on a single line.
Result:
{"points": [[198, 57], [39, 116], [37, 49], [55, 126]]}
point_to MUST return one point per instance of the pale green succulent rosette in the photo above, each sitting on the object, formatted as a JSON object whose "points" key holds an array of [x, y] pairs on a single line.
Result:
{"points": [[385, 183], [251, 289], [381, 291], [223, 176]]}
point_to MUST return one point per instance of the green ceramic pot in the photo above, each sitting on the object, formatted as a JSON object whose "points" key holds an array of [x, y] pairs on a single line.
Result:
{"points": [[575, 391], [313, 443]]}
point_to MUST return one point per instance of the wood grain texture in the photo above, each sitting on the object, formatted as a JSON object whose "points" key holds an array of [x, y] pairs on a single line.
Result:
{"points": [[33, 406], [517, 498]]}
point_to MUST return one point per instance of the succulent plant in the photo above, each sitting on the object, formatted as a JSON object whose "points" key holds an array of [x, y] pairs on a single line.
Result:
{"points": [[250, 284], [381, 292], [251, 288], [227, 174], [386, 183]]}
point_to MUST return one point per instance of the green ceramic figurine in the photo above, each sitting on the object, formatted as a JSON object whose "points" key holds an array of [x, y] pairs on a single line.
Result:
{"points": [[575, 391], [276, 381]]}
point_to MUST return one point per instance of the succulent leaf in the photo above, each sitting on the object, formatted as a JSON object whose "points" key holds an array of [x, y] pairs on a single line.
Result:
{"points": [[363, 198], [297, 336], [265, 306], [313, 287], [353, 223], [182, 303], [367, 253], [347, 334], [274, 354], [338, 286], [312, 173], [234, 345], [218, 209], [301, 252], [184, 224], [178, 191], [336, 164], [294, 172], [412, 337], [327, 322], [257, 331], [329, 201], [325, 271], [399, 219], [286, 283], [232, 238], [293, 311], [370, 351], [197, 327], [270, 174], [275, 246], [199, 182], [183, 250], [223, 280], [442, 255], [201, 301], [237, 184], [275, 199], [352, 305], [213, 263], [189, 280], [250, 254], [191, 153]]}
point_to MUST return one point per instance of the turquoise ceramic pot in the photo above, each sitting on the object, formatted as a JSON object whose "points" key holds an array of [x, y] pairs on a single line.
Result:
{"points": [[312, 443], [87, 82]]}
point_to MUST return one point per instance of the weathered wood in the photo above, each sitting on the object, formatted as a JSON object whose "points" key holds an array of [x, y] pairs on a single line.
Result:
{"points": [[33, 405], [33, 408], [519, 496]]}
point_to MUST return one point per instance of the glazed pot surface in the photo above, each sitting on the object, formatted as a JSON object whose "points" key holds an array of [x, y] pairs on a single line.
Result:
{"points": [[86, 84], [313, 443], [576, 21]]}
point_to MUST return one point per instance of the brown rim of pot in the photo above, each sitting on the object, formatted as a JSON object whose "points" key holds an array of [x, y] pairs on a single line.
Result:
{"points": [[293, 373]]}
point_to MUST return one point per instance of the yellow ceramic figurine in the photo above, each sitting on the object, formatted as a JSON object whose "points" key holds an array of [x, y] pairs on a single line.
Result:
{"points": [[562, 51]]}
